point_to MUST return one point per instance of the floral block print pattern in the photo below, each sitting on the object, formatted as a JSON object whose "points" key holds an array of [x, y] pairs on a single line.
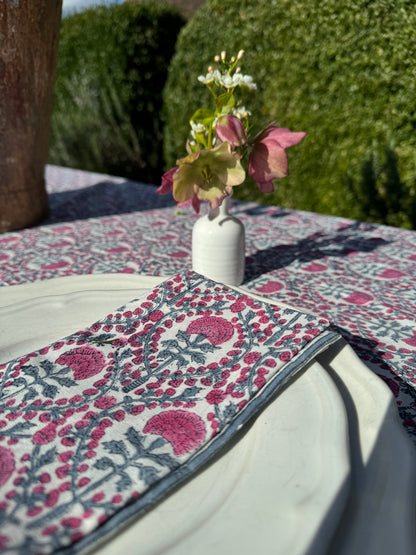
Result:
{"points": [[360, 276], [97, 426]]}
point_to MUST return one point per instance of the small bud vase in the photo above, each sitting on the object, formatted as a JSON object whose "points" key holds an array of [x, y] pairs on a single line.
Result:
{"points": [[218, 246]]}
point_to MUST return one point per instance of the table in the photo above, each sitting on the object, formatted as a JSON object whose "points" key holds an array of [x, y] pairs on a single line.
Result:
{"points": [[106, 232], [361, 276]]}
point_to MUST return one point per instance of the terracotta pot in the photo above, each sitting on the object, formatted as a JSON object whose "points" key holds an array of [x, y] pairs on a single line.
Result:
{"points": [[29, 31]]}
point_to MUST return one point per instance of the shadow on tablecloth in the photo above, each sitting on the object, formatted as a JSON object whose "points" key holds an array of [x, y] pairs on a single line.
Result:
{"points": [[104, 199], [339, 243]]}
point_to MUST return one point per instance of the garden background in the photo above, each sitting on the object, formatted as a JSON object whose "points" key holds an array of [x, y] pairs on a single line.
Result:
{"points": [[343, 72]]}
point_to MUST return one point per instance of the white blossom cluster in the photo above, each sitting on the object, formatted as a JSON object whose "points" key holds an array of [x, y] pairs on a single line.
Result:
{"points": [[197, 128], [228, 81], [241, 112], [201, 128]]}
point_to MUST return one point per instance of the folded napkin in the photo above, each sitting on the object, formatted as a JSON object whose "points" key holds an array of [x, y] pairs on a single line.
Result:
{"points": [[97, 427]]}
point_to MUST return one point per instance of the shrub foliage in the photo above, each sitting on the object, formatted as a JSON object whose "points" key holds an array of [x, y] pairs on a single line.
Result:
{"points": [[344, 72], [111, 70]]}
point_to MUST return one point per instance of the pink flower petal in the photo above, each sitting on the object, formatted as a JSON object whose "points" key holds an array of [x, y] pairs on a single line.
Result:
{"points": [[194, 202], [267, 161], [167, 182], [285, 137]]}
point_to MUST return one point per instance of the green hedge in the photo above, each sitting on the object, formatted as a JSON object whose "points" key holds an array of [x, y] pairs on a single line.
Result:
{"points": [[111, 70], [344, 72]]}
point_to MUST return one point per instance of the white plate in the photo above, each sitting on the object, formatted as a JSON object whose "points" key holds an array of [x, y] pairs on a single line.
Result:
{"points": [[280, 488], [380, 517]]}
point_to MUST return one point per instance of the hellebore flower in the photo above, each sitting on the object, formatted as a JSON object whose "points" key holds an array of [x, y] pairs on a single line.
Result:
{"points": [[194, 202], [268, 158], [208, 174], [231, 129], [167, 182], [167, 187]]}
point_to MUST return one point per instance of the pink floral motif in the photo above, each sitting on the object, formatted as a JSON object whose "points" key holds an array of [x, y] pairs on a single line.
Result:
{"points": [[156, 315], [45, 435], [390, 273], [216, 330], [315, 267], [71, 522], [252, 358], [270, 287], [55, 265], [84, 361], [359, 297], [7, 464], [105, 402], [411, 340], [215, 397], [52, 498], [184, 430]]}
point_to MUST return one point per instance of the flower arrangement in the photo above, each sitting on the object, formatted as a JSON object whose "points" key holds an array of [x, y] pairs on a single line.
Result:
{"points": [[219, 140]]}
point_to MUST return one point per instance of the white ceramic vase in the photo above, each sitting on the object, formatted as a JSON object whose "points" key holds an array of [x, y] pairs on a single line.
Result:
{"points": [[218, 246]]}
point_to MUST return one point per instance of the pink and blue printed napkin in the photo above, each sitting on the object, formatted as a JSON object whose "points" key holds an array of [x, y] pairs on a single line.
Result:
{"points": [[97, 427]]}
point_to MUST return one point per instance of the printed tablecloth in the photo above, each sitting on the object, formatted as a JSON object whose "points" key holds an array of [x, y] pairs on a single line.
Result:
{"points": [[359, 276]]}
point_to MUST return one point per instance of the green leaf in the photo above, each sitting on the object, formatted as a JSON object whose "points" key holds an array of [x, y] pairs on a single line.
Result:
{"points": [[204, 116], [225, 103], [201, 139]]}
